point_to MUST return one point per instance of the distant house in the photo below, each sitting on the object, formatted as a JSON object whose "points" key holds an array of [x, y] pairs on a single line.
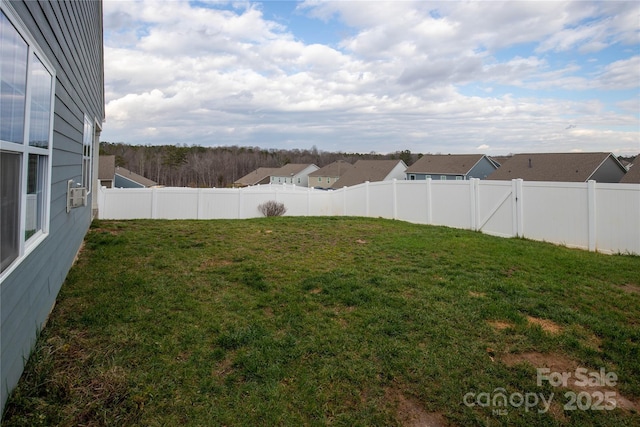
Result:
{"points": [[107, 171], [326, 176], [258, 176], [451, 166], [561, 167], [124, 178], [372, 171], [633, 174], [52, 96], [293, 173], [112, 176]]}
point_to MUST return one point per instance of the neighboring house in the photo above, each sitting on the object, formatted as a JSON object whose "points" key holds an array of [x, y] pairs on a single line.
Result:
{"points": [[112, 176], [124, 178], [107, 171], [372, 171], [561, 167], [326, 176], [52, 110], [293, 173], [633, 174], [451, 166], [257, 177]]}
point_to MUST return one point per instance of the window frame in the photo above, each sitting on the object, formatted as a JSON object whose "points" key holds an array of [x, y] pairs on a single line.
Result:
{"points": [[26, 244], [88, 133]]}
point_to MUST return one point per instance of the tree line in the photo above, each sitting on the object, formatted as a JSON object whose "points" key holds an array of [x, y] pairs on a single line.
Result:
{"points": [[197, 166]]}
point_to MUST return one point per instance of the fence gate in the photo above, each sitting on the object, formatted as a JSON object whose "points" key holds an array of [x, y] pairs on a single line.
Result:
{"points": [[498, 207]]}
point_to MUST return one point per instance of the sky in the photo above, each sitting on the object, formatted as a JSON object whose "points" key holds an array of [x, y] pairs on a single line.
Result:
{"points": [[373, 76]]}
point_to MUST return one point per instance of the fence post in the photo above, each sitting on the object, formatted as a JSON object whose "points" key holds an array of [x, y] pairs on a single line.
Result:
{"points": [[474, 207], [366, 195], [591, 201], [516, 207], [344, 201], [199, 205], [429, 202], [395, 198], [154, 203], [101, 201], [240, 203], [308, 201]]}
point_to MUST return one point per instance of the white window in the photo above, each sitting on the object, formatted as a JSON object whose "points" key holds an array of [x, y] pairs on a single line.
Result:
{"points": [[319, 179], [26, 117], [427, 177], [443, 177], [458, 178], [87, 154]]}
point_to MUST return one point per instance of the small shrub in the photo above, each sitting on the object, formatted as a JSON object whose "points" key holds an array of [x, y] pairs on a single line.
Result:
{"points": [[272, 208]]}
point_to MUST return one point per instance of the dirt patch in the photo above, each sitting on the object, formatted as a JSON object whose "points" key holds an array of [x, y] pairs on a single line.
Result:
{"points": [[410, 413], [360, 241], [545, 324], [631, 288], [510, 271], [315, 291], [558, 363], [500, 325], [477, 294], [224, 367], [554, 361]]}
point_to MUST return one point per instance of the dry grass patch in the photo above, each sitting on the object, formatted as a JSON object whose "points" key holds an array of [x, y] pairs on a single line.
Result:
{"points": [[561, 364], [411, 413], [545, 324], [631, 288], [500, 325]]}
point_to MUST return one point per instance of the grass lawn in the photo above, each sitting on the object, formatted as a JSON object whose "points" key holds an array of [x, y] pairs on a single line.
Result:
{"points": [[341, 321]]}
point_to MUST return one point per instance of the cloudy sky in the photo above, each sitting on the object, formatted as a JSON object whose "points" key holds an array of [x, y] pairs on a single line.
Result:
{"points": [[362, 76]]}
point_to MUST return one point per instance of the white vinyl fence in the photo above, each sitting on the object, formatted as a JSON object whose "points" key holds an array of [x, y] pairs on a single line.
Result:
{"points": [[593, 216]]}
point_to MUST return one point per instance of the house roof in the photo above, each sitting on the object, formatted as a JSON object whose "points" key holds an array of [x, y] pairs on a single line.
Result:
{"points": [[253, 178], [366, 170], [337, 168], [447, 164], [132, 176], [562, 167], [291, 169], [500, 159], [633, 175], [106, 167]]}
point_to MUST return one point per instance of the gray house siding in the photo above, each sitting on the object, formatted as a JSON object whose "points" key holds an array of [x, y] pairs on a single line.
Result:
{"points": [[122, 182], [610, 171], [69, 35], [482, 169]]}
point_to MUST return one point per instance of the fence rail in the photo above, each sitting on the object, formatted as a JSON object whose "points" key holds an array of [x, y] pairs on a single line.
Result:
{"points": [[593, 216]]}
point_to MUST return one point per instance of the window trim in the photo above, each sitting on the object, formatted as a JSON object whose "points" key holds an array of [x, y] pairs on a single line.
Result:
{"points": [[25, 149], [88, 136]]}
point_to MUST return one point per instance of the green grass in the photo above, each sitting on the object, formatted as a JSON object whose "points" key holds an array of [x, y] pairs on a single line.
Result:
{"points": [[316, 321]]}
